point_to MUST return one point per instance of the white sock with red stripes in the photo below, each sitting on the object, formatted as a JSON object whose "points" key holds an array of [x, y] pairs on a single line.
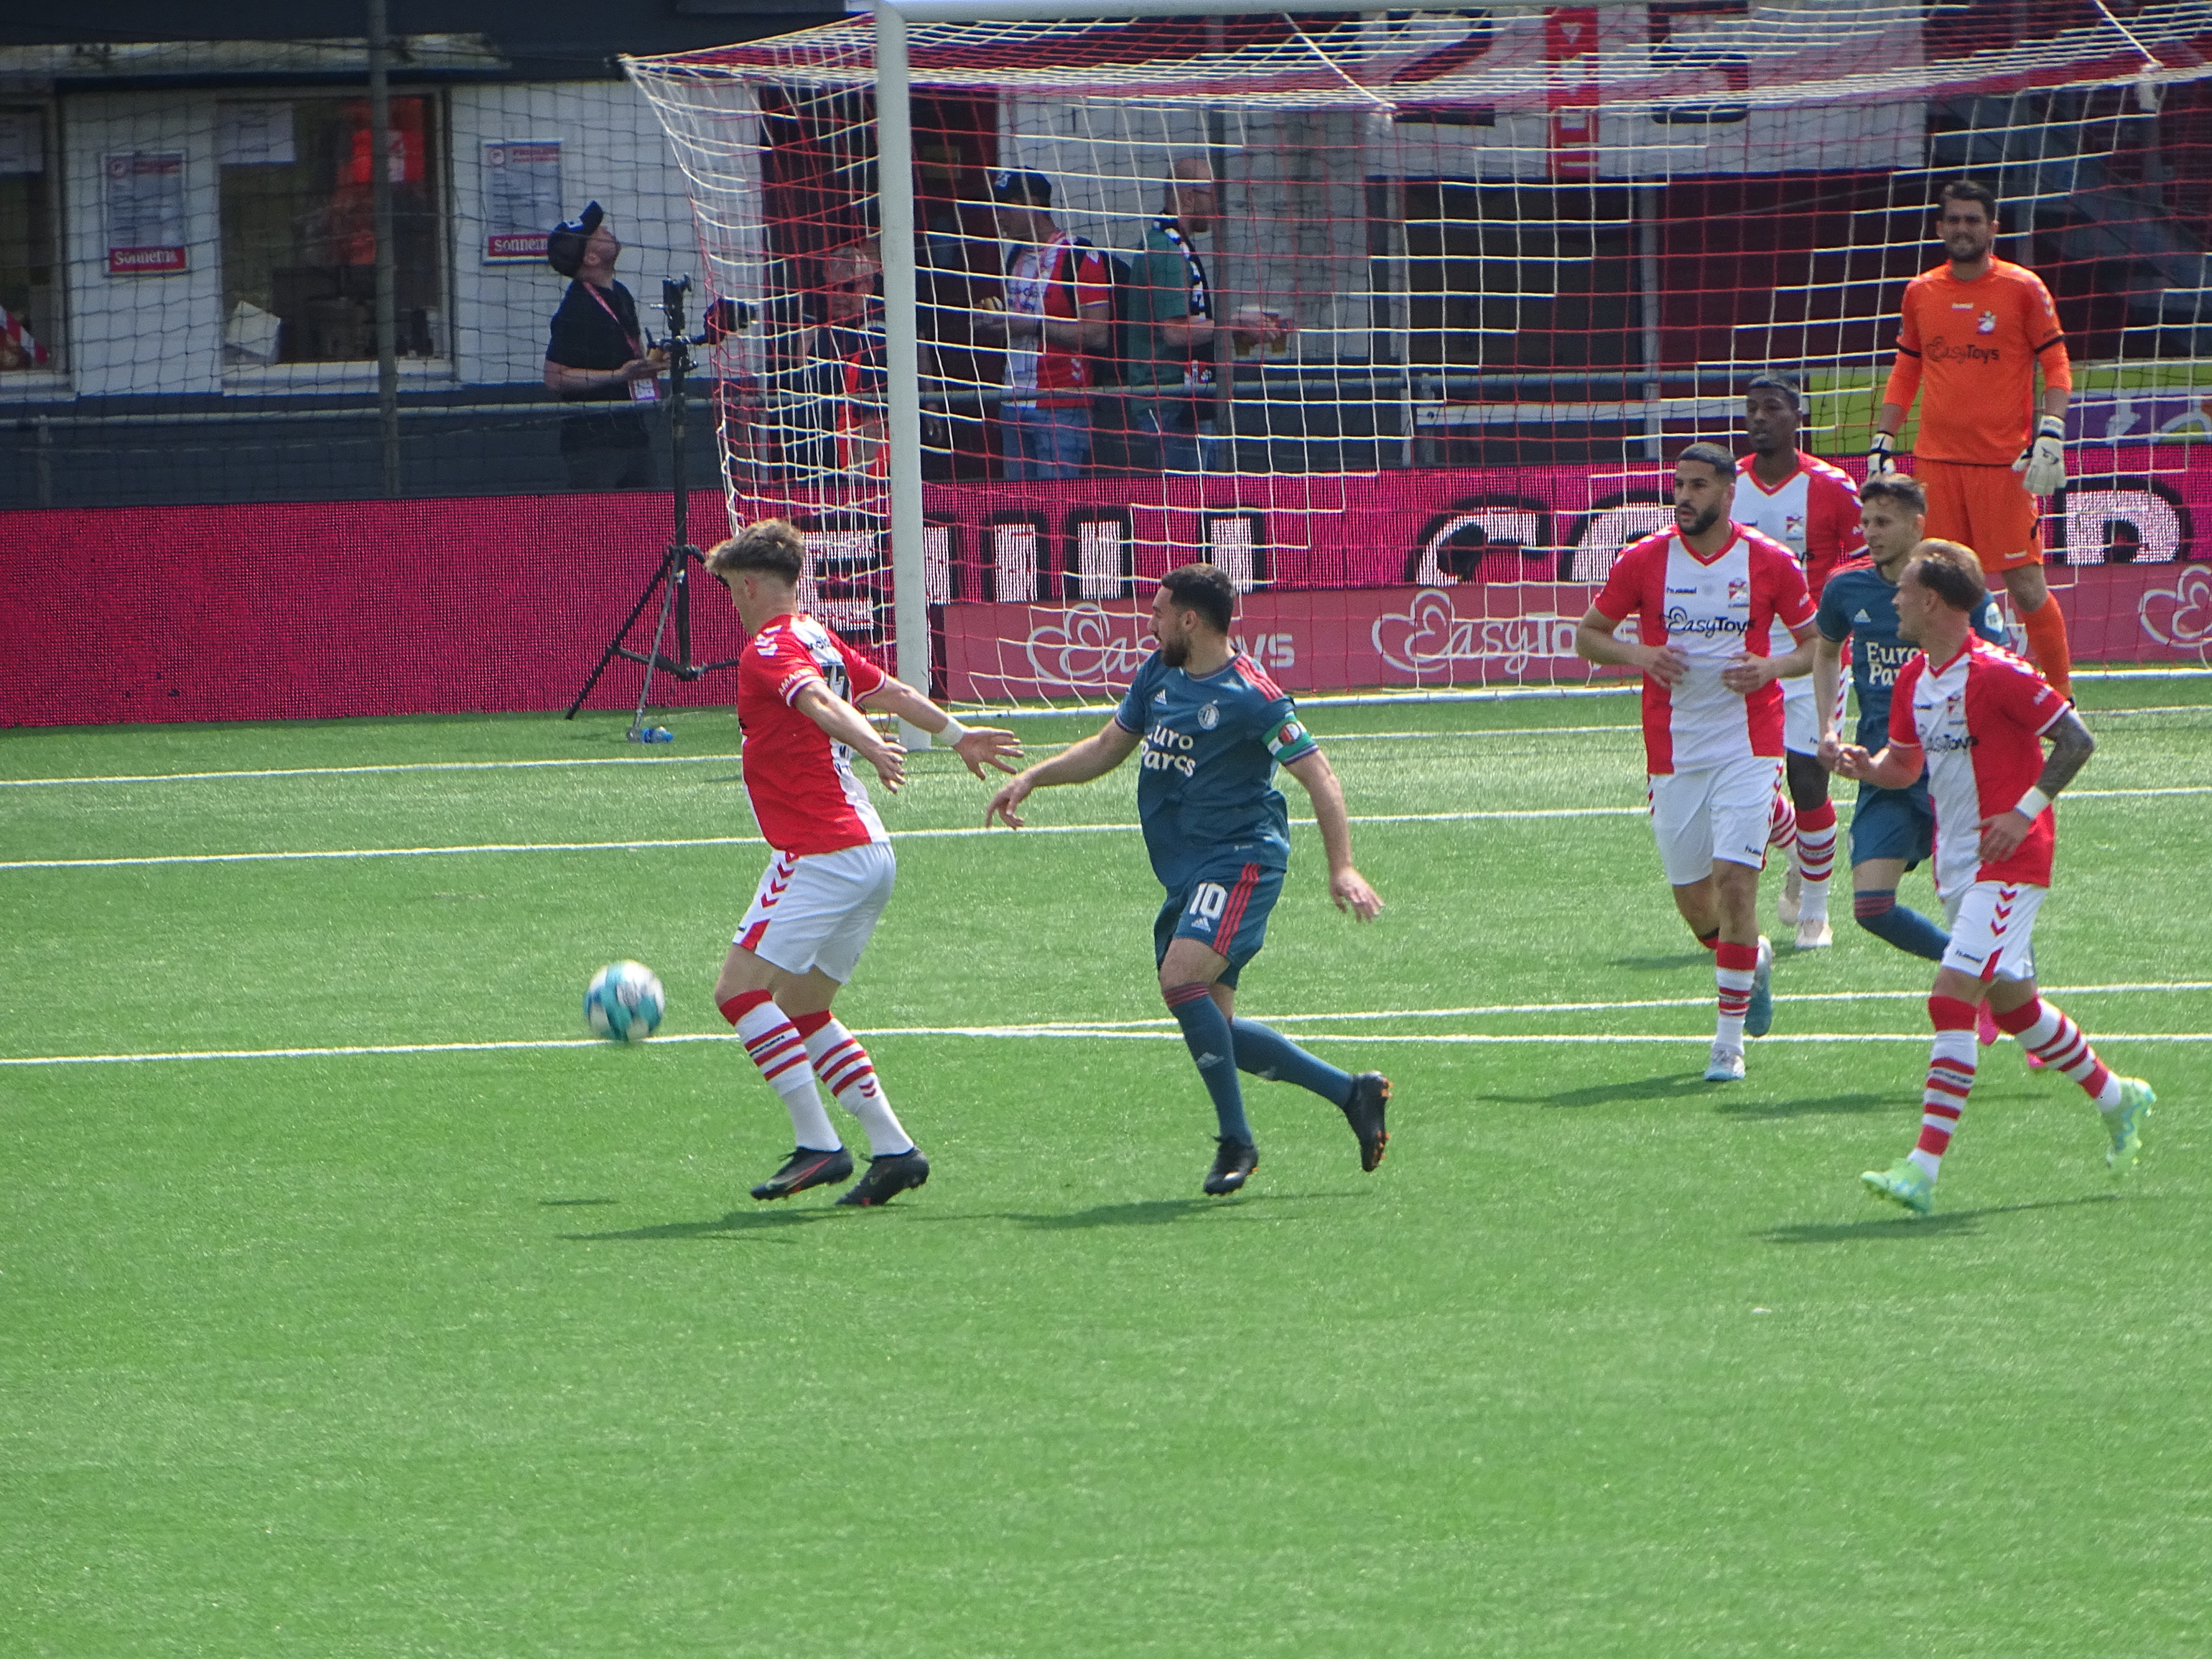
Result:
{"points": [[780, 1051], [1950, 1079], [2044, 1031], [1736, 970], [1780, 822], [1816, 859], [847, 1071]]}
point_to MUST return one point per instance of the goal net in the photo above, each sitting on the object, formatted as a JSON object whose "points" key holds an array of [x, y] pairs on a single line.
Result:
{"points": [[1397, 317]]}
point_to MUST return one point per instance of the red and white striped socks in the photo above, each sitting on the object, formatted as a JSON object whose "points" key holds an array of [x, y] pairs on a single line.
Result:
{"points": [[1816, 858], [778, 1049], [1734, 968], [847, 1071], [1950, 1079], [2045, 1032], [1782, 822]]}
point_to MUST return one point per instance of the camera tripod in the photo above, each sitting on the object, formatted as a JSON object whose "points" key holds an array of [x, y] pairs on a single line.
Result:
{"points": [[671, 578]]}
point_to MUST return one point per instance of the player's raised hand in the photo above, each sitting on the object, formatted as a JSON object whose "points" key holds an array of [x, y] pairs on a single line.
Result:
{"points": [[988, 745], [1002, 805], [1350, 890], [2002, 834], [1881, 464]]}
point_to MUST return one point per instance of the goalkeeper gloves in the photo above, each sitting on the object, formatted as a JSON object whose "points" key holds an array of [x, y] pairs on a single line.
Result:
{"points": [[1879, 462], [2043, 463]]}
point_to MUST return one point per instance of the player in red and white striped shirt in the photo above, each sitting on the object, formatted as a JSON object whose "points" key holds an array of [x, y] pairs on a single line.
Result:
{"points": [[1706, 596], [1813, 509], [1976, 718], [801, 689]]}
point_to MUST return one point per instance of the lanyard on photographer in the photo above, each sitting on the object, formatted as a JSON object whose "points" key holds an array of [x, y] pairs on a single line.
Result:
{"points": [[640, 391]]}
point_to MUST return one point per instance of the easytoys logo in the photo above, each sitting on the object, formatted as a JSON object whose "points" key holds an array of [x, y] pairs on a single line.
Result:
{"points": [[1679, 622], [1944, 352], [1951, 742]]}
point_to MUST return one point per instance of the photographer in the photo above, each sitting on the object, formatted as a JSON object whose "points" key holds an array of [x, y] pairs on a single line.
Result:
{"points": [[598, 355]]}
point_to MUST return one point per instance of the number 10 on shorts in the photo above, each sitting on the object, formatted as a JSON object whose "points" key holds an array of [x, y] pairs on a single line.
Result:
{"points": [[1208, 900]]}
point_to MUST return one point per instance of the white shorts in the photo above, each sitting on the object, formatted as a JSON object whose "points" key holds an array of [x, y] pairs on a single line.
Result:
{"points": [[1992, 925], [1721, 812], [818, 911], [1801, 719]]}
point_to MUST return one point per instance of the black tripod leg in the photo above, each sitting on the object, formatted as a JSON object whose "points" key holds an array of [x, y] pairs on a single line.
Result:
{"points": [[614, 645]]}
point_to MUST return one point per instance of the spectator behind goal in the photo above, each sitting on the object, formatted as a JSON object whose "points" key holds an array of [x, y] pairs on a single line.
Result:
{"points": [[1056, 314]]}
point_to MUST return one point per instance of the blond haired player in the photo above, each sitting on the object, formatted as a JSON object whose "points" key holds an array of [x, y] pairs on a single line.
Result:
{"points": [[800, 691], [1976, 330], [1974, 717]]}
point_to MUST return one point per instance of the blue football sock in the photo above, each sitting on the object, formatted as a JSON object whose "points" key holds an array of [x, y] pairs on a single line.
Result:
{"points": [[1878, 911], [1206, 1032], [1270, 1054]]}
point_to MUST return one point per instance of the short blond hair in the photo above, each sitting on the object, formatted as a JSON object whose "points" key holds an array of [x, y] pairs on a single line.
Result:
{"points": [[1951, 572], [773, 547]]}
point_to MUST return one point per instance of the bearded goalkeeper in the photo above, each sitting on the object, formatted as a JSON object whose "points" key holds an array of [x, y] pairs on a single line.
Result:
{"points": [[1976, 330]]}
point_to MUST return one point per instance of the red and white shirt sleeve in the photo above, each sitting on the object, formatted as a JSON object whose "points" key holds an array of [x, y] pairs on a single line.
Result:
{"points": [[1831, 528], [800, 782], [1980, 719]]}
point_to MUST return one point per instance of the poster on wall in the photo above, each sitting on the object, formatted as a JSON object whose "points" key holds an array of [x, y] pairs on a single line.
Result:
{"points": [[145, 207], [522, 198]]}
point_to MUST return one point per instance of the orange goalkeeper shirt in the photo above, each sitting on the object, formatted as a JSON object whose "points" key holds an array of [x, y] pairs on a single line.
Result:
{"points": [[1976, 344]]}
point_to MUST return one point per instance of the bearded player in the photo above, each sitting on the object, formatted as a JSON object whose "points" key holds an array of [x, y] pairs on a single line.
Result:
{"points": [[1811, 508], [1706, 596], [801, 689], [1892, 830], [1974, 717], [1212, 728], [1975, 331]]}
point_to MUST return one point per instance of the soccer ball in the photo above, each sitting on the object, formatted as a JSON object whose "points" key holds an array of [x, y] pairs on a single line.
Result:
{"points": [[622, 1003]]}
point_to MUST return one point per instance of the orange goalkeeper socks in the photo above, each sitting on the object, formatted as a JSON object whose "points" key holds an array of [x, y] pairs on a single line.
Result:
{"points": [[2046, 639]]}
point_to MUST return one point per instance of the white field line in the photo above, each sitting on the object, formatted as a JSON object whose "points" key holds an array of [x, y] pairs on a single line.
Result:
{"points": [[1500, 815], [708, 760], [754, 841], [1703, 1039], [1131, 1029]]}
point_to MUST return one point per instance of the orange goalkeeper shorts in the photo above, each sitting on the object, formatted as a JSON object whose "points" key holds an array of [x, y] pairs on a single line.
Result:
{"points": [[1982, 508]]}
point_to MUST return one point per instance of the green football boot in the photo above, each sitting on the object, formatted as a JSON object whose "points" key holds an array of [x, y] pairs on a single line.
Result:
{"points": [[1903, 1182], [2125, 1123]]}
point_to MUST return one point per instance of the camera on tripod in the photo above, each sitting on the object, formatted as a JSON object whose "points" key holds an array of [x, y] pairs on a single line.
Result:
{"points": [[725, 316]]}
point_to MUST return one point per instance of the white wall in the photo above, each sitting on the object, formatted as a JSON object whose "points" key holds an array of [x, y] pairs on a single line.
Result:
{"points": [[162, 335], [613, 151]]}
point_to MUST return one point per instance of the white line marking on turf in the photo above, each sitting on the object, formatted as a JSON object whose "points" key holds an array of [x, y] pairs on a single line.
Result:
{"points": [[1581, 1038], [361, 771], [753, 841], [1498, 815]]}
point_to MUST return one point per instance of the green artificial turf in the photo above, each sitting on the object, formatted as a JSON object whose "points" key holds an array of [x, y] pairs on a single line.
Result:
{"points": [[485, 1352]]}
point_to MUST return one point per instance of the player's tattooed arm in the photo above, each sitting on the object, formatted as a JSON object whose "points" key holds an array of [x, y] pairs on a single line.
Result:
{"points": [[846, 725], [2071, 745], [1347, 886], [976, 745], [1094, 757]]}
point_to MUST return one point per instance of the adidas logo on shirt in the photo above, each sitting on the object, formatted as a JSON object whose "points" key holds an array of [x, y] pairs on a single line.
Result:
{"points": [[1862, 616]]}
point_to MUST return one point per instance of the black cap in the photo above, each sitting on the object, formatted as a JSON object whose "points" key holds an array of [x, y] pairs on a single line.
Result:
{"points": [[564, 243], [1029, 189]]}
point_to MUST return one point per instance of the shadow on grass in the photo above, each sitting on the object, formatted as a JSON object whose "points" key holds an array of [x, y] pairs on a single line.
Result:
{"points": [[1825, 1103], [1942, 1225], [1656, 964], [1673, 1085], [732, 1225]]}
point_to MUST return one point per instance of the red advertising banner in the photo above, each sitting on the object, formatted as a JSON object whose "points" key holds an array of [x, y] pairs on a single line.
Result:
{"points": [[1430, 579]]}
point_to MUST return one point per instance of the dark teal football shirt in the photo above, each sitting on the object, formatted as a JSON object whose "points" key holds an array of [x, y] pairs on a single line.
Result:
{"points": [[1208, 759]]}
